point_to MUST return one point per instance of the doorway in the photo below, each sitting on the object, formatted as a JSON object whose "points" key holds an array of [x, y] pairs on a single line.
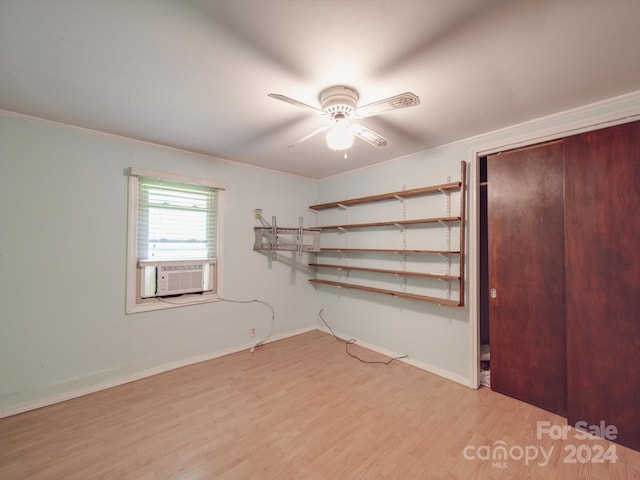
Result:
{"points": [[484, 330], [586, 185]]}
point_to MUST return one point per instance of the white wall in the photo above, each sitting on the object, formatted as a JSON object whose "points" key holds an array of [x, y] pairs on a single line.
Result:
{"points": [[436, 336], [63, 216], [63, 211], [441, 339]]}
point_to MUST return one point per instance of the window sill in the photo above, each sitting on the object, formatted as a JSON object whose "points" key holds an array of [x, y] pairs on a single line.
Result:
{"points": [[174, 302]]}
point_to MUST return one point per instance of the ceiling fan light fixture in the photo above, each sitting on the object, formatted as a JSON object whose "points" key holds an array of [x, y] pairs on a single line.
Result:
{"points": [[340, 104], [341, 135]]}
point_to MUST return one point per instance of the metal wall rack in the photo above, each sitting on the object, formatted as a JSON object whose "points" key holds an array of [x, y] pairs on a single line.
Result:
{"points": [[273, 239]]}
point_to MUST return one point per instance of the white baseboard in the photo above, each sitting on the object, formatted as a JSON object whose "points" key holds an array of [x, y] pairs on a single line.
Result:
{"points": [[416, 363], [75, 392]]}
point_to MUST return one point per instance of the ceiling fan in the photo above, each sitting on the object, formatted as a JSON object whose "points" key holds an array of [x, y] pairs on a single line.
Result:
{"points": [[340, 105]]}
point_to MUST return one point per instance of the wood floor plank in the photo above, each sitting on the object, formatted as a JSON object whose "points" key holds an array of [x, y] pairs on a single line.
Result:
{"points": [[299, 408]]}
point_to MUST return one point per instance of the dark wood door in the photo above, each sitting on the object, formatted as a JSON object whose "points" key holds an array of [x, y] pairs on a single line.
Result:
{"points": [[526, 272], [603, 279]]}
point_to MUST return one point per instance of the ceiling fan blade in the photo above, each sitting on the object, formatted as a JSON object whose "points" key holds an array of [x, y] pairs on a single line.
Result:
{"points": [[403, 100], [371, 137], [307, 137], [296, 103]]}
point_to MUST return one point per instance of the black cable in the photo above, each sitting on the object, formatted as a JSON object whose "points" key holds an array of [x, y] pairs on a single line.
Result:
{"points": [[351, 341]]}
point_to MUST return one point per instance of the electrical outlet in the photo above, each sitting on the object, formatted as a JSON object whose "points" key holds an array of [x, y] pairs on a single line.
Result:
{"points": [[252, 332]]}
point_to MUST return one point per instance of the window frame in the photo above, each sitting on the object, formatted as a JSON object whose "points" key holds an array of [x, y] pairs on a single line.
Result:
{"points": [[135, 303]]}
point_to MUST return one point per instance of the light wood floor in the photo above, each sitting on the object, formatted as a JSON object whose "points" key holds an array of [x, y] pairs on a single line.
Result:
{"points": [[299, 408]]}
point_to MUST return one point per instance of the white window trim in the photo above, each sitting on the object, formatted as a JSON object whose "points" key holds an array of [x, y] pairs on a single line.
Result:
{"points": [[132, 303]]}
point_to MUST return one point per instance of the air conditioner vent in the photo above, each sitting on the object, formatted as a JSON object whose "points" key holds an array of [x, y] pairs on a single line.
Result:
{"points": [[177, 279]]}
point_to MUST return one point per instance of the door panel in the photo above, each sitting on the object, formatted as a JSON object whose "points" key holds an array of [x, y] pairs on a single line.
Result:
{"points": [[603, 282], [526, 269]]}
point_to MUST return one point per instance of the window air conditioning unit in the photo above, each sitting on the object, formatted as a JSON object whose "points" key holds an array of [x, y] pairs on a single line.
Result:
{"points": [[177, 279]]}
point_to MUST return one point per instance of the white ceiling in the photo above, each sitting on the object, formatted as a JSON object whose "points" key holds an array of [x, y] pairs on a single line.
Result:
{"points": [[195, 74]]}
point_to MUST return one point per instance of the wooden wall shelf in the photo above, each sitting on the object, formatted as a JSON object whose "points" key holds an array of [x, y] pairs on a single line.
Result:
{"points": [[452, 186], [390, 250], [445, 221], [393, 293], [384, 270], [417, 221]]}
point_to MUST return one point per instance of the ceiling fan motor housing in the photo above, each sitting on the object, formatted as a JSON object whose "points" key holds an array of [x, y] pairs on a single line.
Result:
{"points": [[339, 102]]}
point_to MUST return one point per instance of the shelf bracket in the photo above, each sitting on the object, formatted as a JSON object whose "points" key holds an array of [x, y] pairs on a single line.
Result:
{"points": [[343, 207], [401, 227], [274, 238]]}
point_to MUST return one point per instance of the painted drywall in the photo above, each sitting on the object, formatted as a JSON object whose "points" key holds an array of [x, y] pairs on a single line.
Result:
{"points": [[429, 333], [63, 205], [63, 212], [441, 339]]}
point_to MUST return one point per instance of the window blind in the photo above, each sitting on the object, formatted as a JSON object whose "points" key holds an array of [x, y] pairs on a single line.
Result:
{"points": [[176, 221]]}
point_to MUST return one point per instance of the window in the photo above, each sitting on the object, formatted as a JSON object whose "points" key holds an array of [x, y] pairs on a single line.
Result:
{"points": [[173, 246]]}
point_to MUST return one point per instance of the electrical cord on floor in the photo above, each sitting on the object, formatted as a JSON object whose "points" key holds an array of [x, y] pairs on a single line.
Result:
{"points": [[351, 341], [273, 312]]}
